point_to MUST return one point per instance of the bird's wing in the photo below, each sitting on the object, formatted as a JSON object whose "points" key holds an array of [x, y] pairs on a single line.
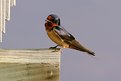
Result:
{"points": [[63, 33]]}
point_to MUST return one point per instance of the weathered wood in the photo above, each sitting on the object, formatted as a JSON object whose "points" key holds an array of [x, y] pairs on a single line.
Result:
{"points": [[30, 65]]}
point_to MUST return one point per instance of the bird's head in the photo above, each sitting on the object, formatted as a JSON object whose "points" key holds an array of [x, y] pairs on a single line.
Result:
{"points": [[53, 19]]}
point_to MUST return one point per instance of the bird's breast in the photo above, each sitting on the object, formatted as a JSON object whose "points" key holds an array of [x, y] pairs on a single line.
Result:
{"points": [[57, 39]]}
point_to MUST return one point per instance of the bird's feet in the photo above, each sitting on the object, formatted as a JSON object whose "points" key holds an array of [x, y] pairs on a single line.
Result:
{"points": [[55, 48]]}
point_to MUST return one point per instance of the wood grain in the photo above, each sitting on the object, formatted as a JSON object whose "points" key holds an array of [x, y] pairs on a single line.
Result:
{"points": [[30, 65]]}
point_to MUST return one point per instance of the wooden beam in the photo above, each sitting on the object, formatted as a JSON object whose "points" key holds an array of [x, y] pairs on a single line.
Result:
{"points": [[30, 65]]}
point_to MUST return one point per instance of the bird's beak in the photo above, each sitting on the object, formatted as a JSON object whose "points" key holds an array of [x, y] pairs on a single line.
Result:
{"points": [[47, 20]]}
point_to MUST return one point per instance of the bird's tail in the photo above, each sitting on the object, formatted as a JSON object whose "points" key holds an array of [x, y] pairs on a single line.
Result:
{"points": [[76, 45], [91, 53]]}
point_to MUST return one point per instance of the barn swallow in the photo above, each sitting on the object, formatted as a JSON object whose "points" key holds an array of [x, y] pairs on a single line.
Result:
{"points": [[61, 37]]}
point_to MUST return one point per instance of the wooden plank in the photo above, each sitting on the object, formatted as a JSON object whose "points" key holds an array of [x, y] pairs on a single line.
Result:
{"points": [[30, 65]]}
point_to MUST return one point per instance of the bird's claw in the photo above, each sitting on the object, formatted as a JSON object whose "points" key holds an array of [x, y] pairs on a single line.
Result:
{"points": [[55, 47], [52, 48]]}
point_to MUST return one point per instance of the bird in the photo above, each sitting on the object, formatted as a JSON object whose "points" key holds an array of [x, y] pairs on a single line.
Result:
{"points": [[61, 36]]}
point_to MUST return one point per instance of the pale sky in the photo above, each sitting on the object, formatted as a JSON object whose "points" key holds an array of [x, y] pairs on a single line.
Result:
{"points": [[95, 23]]}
